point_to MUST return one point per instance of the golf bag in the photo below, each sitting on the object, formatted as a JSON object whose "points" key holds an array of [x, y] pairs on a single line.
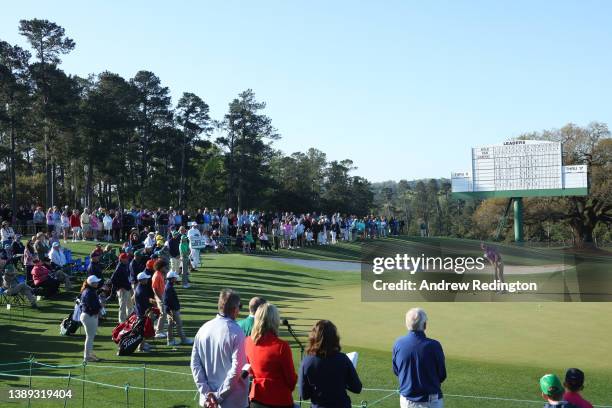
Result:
{"points": [[129, 334], [132, 339], [72, 322]]}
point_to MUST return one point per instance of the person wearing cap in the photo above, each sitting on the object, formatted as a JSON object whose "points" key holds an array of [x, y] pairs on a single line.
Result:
{"points": [[90, 309], [574, 383], [137, 265], [552, 392], [172, 309], [158, 283], [173, 244], [56, 255], [95, 266], [149, 241], [142, 301], [13, 287], [58, 262], [121, 284], [194, 236], [418, 362]]}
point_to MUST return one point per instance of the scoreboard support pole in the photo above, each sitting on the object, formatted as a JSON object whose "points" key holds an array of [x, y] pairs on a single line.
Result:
{"points": [[518, 219]]}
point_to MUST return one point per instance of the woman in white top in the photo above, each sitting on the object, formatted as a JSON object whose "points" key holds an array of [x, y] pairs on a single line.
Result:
{"points": [[65, 224], [7, 235]]}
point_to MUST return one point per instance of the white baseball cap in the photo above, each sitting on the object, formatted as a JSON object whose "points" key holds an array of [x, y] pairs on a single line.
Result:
{"points": [[172, 274], [91, 279], [142, 275]]}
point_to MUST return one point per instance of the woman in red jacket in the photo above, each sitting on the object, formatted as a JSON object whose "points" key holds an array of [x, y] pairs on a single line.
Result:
{"points": [[274, 376]]}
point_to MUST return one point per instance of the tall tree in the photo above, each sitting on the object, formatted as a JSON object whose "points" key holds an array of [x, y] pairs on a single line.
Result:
{"points": [[14, 90], [49, 42], [248, 150], [154, 113], [192, 115]]}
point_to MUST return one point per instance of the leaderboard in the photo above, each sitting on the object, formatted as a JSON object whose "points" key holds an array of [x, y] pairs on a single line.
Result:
{"points": [[520, 165], [517, 165]]}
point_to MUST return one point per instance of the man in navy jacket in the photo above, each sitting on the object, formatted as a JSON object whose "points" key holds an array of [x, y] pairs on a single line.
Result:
{"points": [[418, 362]]}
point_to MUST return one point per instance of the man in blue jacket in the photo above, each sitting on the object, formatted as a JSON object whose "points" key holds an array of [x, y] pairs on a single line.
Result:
{"points": [[418, 362]]}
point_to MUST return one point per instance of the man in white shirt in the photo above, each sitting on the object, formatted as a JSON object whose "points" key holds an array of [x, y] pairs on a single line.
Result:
{"points": [[218, 356]]}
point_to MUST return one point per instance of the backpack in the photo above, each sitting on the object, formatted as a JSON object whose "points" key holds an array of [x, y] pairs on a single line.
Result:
{"points": [[69, 326]]}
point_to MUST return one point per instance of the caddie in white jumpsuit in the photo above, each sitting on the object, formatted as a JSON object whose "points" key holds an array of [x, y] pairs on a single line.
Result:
{"points": [[194, 236]]}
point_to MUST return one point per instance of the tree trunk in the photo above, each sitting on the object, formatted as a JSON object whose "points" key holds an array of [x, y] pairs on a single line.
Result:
{"points": [[583, 234], [13, 174]]}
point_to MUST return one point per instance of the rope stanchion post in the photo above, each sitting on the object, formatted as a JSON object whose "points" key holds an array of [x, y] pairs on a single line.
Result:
{"points": [[67, 388], [30, 381], [144, 386], [83, 386], [127, 395]]}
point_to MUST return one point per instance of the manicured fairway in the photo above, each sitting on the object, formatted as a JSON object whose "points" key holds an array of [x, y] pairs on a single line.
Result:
{"points": [[493, 349]]}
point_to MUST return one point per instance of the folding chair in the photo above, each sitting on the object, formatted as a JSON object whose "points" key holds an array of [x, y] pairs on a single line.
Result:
{"points": [[16, 299]]}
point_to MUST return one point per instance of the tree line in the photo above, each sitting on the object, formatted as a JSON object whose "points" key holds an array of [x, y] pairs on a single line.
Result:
{"points": [[580, 220], [111, 141]]}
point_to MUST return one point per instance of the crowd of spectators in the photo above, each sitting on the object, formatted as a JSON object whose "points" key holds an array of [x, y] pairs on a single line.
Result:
{"points": [[273, 229]]}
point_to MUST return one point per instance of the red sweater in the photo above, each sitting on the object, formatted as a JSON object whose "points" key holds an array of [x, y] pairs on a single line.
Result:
{"points": [[274, 376], [39, 274]]}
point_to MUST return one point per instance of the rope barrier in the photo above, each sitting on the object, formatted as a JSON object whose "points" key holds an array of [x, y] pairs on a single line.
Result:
{"points": [[126, 387]]}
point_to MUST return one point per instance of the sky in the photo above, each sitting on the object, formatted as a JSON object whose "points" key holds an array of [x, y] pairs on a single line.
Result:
{"points": [[402, 88]]}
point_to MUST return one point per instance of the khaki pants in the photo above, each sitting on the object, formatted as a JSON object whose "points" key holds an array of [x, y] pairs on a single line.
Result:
{"points": [[185, 269], [433, 402], [175, 264], [62, 277], [125, 304], [22, 289], [90, 324], [162, 316], [174, 320]]}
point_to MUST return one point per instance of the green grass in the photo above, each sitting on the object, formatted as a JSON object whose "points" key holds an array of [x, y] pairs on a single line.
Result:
{"points": [[492, 349]]}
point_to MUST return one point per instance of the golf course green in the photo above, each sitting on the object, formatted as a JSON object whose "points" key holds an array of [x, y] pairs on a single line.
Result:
{"points": [[495, 352]]}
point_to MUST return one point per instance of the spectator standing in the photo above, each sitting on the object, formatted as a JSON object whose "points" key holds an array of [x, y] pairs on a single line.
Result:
{"points": [[418, 362], [326, 373], [274, 376], [95, 266], [173, 311], [90, 309], [75, 225], [574, 383], [159, 284], [174, 244], [247, 323], [552, 392], [142, 302], [121, 284], [185, 262], [39, 219], [218, 356], [85, 224]]}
